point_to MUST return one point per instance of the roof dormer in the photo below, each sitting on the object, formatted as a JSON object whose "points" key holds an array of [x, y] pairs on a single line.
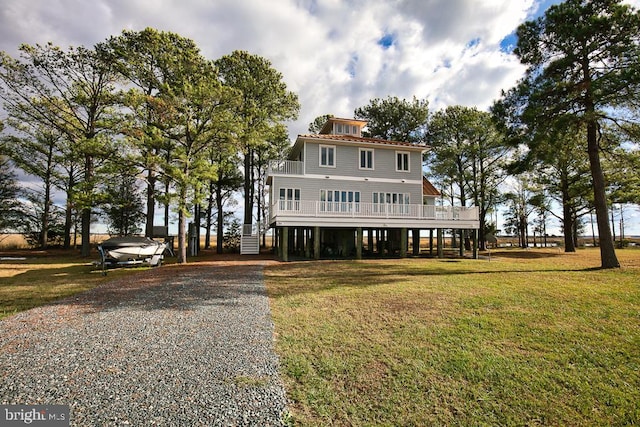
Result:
{"points": [[337, 126]]}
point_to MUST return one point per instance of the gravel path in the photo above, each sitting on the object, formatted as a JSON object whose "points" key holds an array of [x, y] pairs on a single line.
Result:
{"points": [[173, 346]]}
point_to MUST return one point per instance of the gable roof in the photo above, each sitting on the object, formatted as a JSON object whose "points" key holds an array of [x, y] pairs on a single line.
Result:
{"points": [[428, 189]]}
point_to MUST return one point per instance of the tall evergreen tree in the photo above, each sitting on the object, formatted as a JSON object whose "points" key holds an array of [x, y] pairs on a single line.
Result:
{"points": [[147, 59], [468, 154], [197, 108], [122, 201], [9, 192], [316, 125], [395, 119], [583, 65], [37, 152], [266, 103], [72, 92]]}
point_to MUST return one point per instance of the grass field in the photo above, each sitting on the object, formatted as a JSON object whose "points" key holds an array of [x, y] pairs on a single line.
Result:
{"points": [[533, 337], [42, 279], [529, 338]]}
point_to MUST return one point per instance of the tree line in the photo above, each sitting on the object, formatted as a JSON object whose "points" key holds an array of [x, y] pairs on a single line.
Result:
{"points": [[92, 122], [146, 105], [567, 133]]}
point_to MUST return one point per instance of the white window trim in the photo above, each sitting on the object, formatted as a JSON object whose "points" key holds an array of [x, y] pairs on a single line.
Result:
{"points": [[340, 205], [408, 153], [289, 203], [373, 159], [335, 156]]}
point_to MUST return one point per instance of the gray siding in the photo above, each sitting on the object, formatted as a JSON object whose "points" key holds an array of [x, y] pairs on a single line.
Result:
{"points": [[310, 188], [348, 162]]}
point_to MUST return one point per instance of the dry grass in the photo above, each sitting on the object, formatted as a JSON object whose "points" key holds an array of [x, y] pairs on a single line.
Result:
{"points": [[43, 278], [530, 338], [46, 276], [12, 241]]}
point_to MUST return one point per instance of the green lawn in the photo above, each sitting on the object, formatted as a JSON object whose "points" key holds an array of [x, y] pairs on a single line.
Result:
{"points": [[36, 281], [529, 338]]}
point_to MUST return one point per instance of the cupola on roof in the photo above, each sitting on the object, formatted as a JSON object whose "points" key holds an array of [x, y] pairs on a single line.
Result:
{"points": [[340, 126]]}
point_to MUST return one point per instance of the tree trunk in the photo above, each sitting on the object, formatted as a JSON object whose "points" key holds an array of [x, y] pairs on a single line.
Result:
{"points": [[607, 249], [524, 242], [166, 204], [248, 187], [86, 230], [209, 220], [47, 200], [68, 213], [151, 203], [182, 237], [567, 222], [45, 212], [220, 222], [86, 211]]}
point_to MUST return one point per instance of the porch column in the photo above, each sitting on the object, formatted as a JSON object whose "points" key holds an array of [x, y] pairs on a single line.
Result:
{"points": [[431, 241], [285, 244], [307, 243], [440, 243], [416, 241], [359, 238], [404, 237], [475, 244], [316, 242]]}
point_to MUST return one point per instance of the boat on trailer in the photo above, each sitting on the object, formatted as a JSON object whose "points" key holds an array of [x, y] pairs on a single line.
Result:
{"points": [[131, 250]]}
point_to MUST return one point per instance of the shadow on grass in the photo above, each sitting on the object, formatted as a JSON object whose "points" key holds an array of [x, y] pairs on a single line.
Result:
{"points": [[336, 274], [526, 254], [169, 287], [44, 284]]}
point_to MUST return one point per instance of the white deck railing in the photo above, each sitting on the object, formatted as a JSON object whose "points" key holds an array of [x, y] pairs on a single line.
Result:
{"points": [[371, 210], [285, 167]]}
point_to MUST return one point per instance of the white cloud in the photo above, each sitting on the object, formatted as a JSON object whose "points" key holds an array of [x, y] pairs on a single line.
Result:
{"points": [[328, 51]]}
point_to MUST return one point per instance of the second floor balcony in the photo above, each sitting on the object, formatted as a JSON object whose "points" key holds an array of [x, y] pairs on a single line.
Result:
{"points": [[354, 213], [285, 167]]}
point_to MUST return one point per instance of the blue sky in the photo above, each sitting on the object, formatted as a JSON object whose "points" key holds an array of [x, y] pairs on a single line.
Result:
{"points": [[335, 54]]}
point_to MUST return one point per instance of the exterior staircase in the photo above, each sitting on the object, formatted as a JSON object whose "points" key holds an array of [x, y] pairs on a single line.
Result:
{"points": [[250, 240]]}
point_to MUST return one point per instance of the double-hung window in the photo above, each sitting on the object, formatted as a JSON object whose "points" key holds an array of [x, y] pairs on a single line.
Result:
{"points": [[366, 158], [402, 161], [328, 156]]}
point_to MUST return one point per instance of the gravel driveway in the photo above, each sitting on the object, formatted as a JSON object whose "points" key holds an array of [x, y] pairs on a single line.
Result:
{"points": [[172, 346]]}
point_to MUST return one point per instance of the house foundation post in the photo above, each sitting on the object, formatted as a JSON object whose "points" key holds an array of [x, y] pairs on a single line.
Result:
{"points": [[370, 240], [461, 243], [300, 236], [404, 242], [440, 239], [431, 242], [275, 243], [475, 244], [316, 242], [285, 244], [416, 241], [307, 243], [359, 238]]}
